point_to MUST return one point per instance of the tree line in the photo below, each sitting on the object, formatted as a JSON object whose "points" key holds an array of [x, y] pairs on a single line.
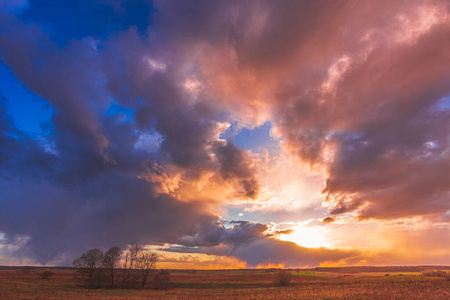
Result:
{"points": [[117, 268]]}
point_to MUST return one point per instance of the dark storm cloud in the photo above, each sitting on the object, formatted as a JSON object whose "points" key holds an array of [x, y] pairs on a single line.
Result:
{"points": [[214, 234], [112, 210], [139, 77], [234, 164], [83, 184]]}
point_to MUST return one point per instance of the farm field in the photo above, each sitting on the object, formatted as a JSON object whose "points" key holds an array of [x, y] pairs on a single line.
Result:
{"points": [[235, 284]]}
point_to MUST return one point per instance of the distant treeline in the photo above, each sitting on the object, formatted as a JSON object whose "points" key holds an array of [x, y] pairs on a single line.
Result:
{"points": [[36, 267], [358, 269]]}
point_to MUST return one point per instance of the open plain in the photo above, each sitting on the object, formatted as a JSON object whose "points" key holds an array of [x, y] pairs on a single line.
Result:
{"points": [[325, 283]]}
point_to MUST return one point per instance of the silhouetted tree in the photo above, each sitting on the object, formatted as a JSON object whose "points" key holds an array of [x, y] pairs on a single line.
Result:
{"points": [[133, 253], [129, 278], [111, 259], [146, 262], [90, 263], [138, 265]]}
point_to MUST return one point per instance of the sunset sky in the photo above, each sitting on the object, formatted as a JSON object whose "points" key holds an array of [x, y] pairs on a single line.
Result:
{"points": [[226, 134]]}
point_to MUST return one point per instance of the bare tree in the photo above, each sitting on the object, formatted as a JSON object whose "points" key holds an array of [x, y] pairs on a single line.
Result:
{"points": [[110, 261], [135, 249], [90, 263], [129, 277], [131, 255], [146, 262]]}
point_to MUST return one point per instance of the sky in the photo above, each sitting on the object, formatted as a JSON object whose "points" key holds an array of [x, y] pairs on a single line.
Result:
{"points": [[226, 134]]}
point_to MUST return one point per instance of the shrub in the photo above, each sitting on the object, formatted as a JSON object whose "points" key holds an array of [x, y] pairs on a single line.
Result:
{"points": [[46, 274], [26, 270], [282, 278], [162, 280]]}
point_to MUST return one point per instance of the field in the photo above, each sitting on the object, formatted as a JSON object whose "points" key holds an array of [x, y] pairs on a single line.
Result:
{"points": [[339, 283]]}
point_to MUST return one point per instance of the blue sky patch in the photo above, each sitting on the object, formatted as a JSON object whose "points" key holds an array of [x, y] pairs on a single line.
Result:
{"points": [[81, 18], [29, 111], [257, 139]]}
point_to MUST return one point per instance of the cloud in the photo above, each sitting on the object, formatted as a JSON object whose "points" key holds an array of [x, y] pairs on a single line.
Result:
{"points": [[353, 90], [328, 220], [195, 261], [377, 132], [214, 234], [234, 163], [271, 251], [109, 211]]}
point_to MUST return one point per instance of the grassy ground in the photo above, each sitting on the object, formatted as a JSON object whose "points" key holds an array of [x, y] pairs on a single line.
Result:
{"points": [[238, 284]]}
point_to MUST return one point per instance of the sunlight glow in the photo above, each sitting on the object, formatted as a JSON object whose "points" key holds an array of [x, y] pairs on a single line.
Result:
{"points": [[310, 237]]}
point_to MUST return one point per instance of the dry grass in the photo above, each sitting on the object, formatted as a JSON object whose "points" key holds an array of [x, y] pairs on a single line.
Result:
{"points": [[236, 284]]}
